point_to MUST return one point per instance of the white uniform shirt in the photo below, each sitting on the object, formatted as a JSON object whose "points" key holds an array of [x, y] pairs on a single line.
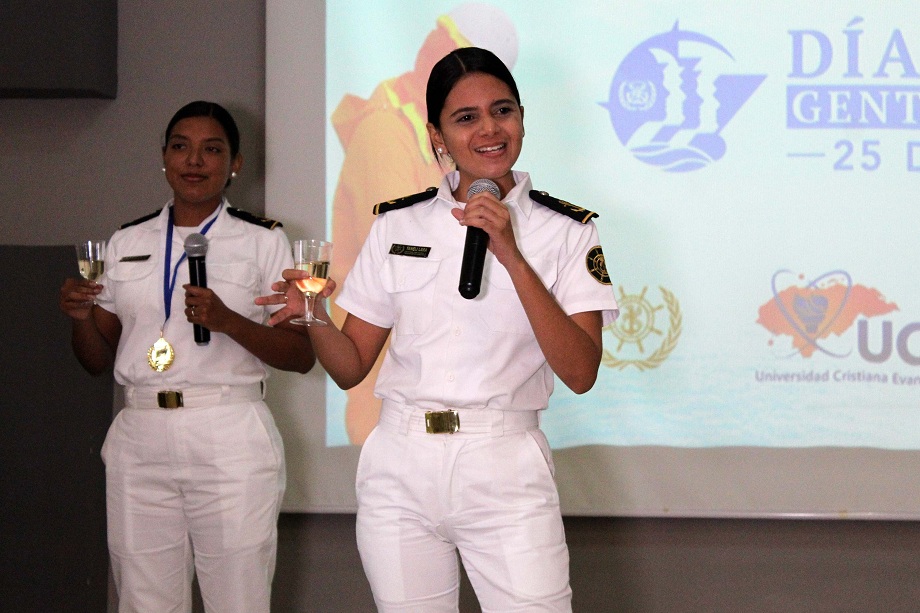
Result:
{"points": [[243, 260], [450, 352]]}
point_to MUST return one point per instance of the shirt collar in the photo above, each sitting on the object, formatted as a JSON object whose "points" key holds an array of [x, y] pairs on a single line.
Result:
{"points": [[519, 195], [221, 214]]}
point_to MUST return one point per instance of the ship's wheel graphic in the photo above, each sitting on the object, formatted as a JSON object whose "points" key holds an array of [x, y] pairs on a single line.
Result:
{"points": [[637, 322]]}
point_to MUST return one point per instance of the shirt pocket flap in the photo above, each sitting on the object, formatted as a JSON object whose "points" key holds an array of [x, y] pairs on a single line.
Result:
{"points": [[402, 274], [498, 275], [241, 274], [131, 270]]}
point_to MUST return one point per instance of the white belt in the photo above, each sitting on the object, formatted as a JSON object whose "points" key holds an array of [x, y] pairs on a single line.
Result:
{"points": [[193, 396], [492, 422]]}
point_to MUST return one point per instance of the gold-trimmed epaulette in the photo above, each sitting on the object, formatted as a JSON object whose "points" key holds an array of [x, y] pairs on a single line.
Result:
{"points": [[141, 219], [401, 203], [561, 206], [265, 222]]}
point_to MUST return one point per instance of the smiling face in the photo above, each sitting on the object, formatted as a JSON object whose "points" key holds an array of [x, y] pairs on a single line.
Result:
{"points": [[482, 127], [198, 162]]}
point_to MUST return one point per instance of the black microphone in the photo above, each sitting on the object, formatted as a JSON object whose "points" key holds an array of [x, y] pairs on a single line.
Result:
{"points": [[196, 247], [477, 243]]}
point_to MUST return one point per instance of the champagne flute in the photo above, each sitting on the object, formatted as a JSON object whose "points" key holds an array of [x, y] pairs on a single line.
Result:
{"points": [[91, 259], [311, 256]]}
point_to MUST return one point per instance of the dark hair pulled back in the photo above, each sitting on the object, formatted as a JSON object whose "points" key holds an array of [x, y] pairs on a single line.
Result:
{"points": [[203, 108], [456, 65]]}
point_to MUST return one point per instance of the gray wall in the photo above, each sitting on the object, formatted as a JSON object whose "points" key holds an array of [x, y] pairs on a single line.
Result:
{"points": [[78, 168], [73, 169]]}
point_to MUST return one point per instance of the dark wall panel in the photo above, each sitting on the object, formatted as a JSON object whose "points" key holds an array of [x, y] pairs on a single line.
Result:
{"points": [[53, 420], [58, 48]]}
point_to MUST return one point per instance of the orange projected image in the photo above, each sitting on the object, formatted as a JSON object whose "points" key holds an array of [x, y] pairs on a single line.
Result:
{"points": [[387, 155]]}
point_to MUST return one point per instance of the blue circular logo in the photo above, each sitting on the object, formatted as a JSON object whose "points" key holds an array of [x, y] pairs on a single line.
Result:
{"points": [[671, 97]]}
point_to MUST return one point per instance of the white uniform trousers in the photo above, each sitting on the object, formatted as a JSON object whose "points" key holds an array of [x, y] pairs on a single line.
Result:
{"points": [[194, 490], [486, 491]]}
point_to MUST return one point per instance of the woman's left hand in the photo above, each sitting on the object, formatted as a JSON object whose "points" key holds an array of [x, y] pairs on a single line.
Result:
{"points": [[205, 308], [487, 212]]}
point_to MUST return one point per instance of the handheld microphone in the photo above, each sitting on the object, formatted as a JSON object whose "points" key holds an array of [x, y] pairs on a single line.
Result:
{"points": [[477, 243], [196, 247]]}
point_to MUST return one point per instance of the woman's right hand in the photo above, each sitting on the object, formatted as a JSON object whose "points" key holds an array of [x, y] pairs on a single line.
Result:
{"points": [[76, 298], [94, 332], [290, 296]]}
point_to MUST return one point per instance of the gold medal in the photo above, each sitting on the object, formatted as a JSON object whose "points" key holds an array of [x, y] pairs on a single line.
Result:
{"points": [[160, 356]]}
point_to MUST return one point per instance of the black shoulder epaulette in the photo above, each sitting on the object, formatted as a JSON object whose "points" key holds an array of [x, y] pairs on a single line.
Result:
{"points": [[141, 219], [561, 206], [271, 224], [401, 203]]}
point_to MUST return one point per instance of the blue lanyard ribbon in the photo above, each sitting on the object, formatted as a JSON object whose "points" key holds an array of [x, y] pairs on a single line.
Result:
{"points": [[169, 280]]}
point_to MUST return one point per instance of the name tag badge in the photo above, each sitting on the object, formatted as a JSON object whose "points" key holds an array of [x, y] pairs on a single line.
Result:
{"points": [[135, 258], [410, 250]]}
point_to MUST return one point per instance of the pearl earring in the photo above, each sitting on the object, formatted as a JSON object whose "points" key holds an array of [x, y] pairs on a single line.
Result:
{"points": [[164, 169], [233, 175], [440, 150]]}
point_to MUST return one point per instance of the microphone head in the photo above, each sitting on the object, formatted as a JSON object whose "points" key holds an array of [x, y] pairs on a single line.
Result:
{"points": [[196, 245], [483, 185]]}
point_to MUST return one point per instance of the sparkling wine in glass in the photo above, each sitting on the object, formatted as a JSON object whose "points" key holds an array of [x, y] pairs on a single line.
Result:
{"points": [[91, 259], [311, 256]]}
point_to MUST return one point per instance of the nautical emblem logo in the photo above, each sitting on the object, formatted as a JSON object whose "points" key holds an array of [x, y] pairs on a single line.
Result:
{"points": [[671, 97], [638, 329], [597, 266]]}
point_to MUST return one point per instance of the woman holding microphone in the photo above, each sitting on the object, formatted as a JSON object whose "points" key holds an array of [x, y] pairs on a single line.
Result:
{"points": [[457, 461]]}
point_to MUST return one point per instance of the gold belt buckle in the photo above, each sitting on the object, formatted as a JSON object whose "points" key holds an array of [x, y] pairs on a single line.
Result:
{"points": [[442, 422], [169, 399]]}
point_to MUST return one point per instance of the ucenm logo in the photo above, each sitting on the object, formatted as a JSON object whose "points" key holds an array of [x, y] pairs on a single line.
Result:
{"points": [[672, 96], [816, 314]]}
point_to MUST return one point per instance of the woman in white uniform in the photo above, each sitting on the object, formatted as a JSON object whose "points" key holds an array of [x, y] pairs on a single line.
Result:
{"points": [[457, 461], [194, 463]]}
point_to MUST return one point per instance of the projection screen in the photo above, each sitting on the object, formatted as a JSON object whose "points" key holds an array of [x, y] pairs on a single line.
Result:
{"points": [[753, 165]]}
